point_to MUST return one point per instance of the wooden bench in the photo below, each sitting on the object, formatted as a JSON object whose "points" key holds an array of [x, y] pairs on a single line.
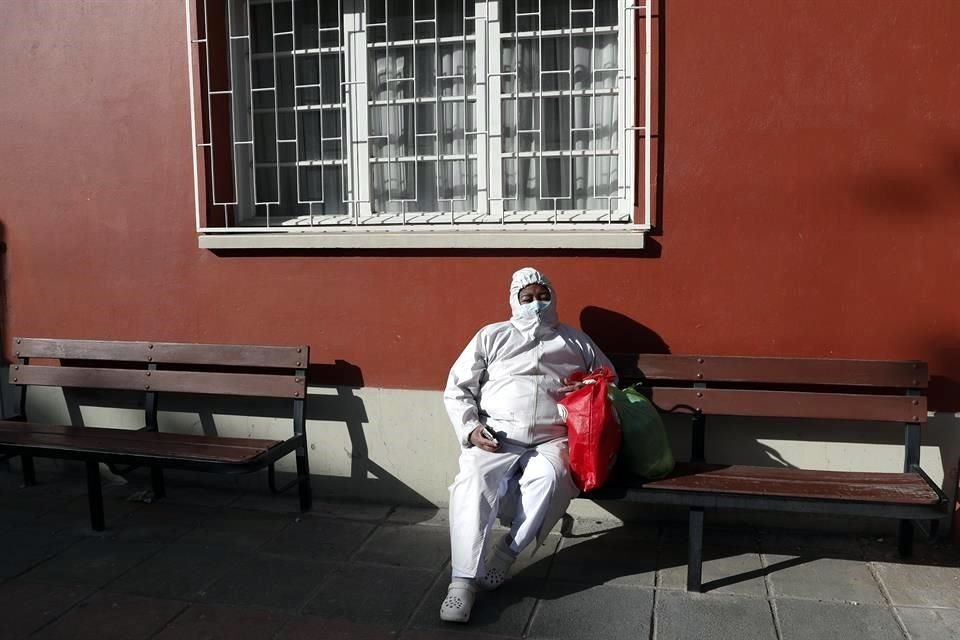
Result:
{"points": [[823, 391], [155, 368]]}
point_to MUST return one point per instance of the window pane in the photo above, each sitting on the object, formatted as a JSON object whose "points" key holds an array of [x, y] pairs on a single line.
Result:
{"points": [[298, 143], [559, 104], [420, 105]]}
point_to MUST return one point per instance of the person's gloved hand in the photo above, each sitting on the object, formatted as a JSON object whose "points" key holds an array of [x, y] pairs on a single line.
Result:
{"points": [[479, 438], [568, 386]]}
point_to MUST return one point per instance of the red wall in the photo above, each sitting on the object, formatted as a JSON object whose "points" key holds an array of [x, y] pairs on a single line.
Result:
{"points": [[810, 200]]}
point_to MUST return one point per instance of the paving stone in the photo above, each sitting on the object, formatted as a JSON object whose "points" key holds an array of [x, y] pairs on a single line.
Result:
{"points": [[811, 620], [199, 496], [180, 572], [568, 611], [319, 538], [608, 558], [729, 570], [451, 633], [683, 616], [418, 515], [350, 510], [314, 628], [116, 506], [919, 585], [742, 537], [94, 562], [270, 581], [32, 546], [931, 624], [64, 509], [369, 593], [595, 526], [534, 562], [27, 606], [287, 502], [237, 529], [206, 622], [824, 579], [407, 546], [806, 543], [884, 549], [109, 616], [157, 522], [503, 612]]}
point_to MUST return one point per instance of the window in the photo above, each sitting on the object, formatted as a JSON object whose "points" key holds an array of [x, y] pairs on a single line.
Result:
{"points": [[421, 115]]}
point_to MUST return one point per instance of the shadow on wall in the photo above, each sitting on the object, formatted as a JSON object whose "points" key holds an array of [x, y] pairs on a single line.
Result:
{"points": [[945, 389], [912, 191], [622, 337], [186, 412]]}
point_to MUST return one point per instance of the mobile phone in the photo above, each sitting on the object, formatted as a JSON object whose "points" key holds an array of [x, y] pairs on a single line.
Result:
{"points": [[489, 434]]}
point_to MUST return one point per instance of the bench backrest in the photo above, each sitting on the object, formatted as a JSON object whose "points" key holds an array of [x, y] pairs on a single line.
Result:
{"points": [[164, 367], [830, 389], [782, 387]]}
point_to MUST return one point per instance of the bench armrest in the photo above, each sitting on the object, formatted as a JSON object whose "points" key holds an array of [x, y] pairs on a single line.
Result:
{"points": [[933, 485]]}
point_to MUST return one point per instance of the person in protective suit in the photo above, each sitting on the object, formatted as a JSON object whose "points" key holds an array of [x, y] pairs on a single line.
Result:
{"points": [[501, 396]]}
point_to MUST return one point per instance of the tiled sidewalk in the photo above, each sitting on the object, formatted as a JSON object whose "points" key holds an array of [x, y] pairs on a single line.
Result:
{"points": [[219, 564]]}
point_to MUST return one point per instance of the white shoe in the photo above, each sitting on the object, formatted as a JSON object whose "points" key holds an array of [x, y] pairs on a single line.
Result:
{"points": [[457, 605], [498, 567]]}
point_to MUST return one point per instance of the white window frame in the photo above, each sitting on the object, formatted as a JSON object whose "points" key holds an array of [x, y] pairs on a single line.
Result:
{"points": [[609, 235]]}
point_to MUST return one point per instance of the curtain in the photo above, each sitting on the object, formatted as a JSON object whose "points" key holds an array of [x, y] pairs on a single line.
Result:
{"points": [[559, 122]]}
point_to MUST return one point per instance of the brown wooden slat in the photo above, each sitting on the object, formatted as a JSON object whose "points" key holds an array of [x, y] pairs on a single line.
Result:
{"points": [[230, 355], [7, 426], [791, 404], [65, 349], [793, 474], [893, 488], [148, 443], [245, 384], [239, 384], [812, 371]]}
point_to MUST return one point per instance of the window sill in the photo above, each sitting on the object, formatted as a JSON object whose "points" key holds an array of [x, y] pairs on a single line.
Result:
{"points": [[624, 238]]}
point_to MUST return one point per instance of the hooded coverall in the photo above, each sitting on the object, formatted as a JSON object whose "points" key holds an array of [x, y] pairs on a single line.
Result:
{"points": [[508, 378]]}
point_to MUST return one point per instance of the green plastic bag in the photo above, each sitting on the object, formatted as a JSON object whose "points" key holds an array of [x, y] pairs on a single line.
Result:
{"points": [[645, 450]]}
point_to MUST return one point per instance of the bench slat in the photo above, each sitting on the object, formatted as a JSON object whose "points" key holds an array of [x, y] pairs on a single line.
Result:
{"points": [[7, 426], [244, 384], [893, 488], [230, 355], [791, 404], [120, 351], [809, 371], [147, 443]]}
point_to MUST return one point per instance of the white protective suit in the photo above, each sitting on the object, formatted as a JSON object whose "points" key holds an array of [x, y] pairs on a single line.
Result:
{"points": [[508, 378]]}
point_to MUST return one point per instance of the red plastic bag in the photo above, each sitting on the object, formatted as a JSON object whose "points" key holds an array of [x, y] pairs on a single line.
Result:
{"points": [[593, 429]]}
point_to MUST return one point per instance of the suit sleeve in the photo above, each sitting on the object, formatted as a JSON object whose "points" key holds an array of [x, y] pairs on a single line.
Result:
{"points": [[461, 397]]}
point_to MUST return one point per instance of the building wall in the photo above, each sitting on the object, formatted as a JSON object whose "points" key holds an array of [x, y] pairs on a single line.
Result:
{"points": [[808, 205]]}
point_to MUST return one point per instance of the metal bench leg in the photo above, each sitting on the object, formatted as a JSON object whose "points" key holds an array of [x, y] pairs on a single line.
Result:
{"points": [[303, 479], [29, 474], [905, 539], [695, 550], [95, 495], [156, 479]]}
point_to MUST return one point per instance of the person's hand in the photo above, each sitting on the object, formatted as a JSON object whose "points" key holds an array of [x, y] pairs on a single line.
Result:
{"points": [[568, 386], [478, 438]]}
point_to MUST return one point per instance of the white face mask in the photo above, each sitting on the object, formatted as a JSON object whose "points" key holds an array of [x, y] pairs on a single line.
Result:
{"points": [[534, 309]]}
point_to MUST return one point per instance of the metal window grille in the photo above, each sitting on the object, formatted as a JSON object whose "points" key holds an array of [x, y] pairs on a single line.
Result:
{"points": [[455, 113]]}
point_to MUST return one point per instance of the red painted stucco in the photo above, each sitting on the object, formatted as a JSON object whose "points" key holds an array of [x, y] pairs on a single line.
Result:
{"points": [[810, 201]]}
